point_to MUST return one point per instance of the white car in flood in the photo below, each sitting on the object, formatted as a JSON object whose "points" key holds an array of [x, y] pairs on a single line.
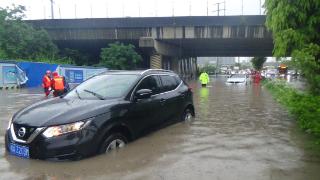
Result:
{"points": [[238, 78]]}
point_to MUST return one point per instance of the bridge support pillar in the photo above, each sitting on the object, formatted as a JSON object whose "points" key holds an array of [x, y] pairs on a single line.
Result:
{"points": [[167, 56], [187, 67], [156, 61]]}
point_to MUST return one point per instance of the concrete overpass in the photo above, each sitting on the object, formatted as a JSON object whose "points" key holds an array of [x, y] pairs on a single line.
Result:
{"points": [[165, 41]]}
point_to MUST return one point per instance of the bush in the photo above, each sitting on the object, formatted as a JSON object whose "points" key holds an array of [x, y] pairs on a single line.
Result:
{"points": [[305, 107], [120, 56]]}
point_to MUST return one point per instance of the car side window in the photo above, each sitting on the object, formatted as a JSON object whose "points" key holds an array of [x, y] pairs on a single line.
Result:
{"points": [[168, 83], [177, 78], [150, 82]]}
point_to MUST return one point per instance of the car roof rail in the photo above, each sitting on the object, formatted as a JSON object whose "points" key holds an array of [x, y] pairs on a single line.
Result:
{"points": [[156, 70]]}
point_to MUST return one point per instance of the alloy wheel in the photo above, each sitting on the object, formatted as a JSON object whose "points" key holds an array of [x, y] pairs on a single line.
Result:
{"points": [[115, 144]]}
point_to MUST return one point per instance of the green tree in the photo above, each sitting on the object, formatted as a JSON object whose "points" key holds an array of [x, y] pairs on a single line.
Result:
{"points": [[295, 26], [120, 56], [76, 56], [257, 62], [19, 40], [210, 69]]}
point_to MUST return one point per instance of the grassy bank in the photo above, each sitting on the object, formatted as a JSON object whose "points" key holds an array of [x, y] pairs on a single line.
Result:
{"points": [[305, 107]]}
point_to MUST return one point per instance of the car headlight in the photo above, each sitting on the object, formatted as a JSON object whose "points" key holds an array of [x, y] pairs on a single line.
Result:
{"points": [[63, 129]]}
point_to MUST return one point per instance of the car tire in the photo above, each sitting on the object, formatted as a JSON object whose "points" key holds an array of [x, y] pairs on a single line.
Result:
{"points": [[113, 142], [187, 114]]}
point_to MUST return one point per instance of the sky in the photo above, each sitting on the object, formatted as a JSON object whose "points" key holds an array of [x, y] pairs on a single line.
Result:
{"points": [[69, 9], [66, 9]]}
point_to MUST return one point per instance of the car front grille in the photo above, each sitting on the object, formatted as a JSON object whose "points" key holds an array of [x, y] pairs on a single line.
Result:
{"points": [[18, 130]]}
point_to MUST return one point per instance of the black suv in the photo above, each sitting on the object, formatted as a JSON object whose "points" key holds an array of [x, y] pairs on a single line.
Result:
{"points": [[101, 114]]}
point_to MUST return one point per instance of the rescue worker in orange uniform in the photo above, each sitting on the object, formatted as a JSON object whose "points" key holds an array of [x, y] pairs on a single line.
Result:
{"points": [[58, 84], [46, 83]]}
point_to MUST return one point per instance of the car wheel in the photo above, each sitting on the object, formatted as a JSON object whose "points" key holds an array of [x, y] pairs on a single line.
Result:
{"points": [[187, 115], [113, 142]]}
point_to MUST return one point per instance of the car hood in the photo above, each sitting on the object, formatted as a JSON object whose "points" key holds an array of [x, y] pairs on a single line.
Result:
{"points": [[61, 111]]}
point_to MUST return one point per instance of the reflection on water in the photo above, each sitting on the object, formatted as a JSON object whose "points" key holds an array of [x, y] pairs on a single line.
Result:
{"points": [[239, 132]]}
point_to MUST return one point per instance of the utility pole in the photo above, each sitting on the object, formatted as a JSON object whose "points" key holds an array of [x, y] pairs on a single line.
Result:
{"points": [[44, 12], [139, 7], [122, 8], [91, 10], [107, 9], [52, 13], [224, 8], [260, 7], [207, 7], [242, 7], [189, 8], [172, 8], [218, 8], [75, 11], [59, 12], [156, 8]]}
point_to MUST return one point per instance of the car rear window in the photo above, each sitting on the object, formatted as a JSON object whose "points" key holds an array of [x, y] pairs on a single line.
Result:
{"points": [[169, 82]]}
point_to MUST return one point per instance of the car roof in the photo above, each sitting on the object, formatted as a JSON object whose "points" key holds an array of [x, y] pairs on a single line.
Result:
{"points": [[139, 72]]}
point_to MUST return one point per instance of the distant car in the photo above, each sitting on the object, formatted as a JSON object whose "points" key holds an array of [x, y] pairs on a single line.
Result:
{"points": [[271, 73], [291, 72], [99, 115], [238, 78]]}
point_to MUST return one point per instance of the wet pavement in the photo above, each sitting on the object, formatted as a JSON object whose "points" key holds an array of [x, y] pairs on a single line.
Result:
{"points": [[240, 132]]}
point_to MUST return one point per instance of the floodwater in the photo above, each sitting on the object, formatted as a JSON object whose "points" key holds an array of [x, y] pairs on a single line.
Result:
{"points": [[239, 132]]}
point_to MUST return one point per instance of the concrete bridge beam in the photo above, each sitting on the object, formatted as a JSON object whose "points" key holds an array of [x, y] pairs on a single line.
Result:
{"points": [[160, 47]]}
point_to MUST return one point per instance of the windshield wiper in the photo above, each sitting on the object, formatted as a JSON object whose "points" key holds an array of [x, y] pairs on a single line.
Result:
{"points": [[78, 94], [95, 94]]}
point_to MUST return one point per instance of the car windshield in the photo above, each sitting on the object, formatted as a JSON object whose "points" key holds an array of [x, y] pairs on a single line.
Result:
{"points": [[238, 76], [104, 87]]}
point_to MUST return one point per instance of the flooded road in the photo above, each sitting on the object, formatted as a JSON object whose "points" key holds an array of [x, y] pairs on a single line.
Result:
{"points": [[239, 132]]}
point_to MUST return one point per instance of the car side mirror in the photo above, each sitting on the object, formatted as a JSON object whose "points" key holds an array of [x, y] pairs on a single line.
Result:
{"points": [[143, 93]]}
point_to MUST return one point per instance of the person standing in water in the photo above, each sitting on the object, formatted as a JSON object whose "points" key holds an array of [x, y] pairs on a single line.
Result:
{"points": [[46, 83], [204, 79]]}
